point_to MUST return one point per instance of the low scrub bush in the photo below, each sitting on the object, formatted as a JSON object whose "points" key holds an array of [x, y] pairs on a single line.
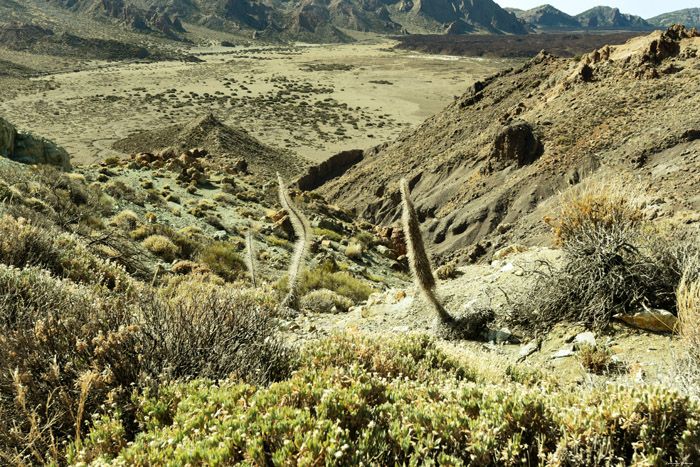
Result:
{"points": [[357, 401], [75, 353], [329, 234], [614, 262], [162, 246], [595, 206], [688, 327], [223, 259], [341, 283], [325, 301]]}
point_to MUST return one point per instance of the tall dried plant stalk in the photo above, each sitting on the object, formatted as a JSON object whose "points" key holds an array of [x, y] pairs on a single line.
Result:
{"points": [[85, 382], [417, 257], [250, 256], [302, 230]]}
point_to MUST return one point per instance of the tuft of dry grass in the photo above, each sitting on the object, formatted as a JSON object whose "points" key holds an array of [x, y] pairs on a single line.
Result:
{"points": [[595, 205], [688, 326]]}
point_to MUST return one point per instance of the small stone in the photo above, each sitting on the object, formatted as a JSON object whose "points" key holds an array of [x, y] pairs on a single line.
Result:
{"points": [[529, 349], [585, 338], [508, 267], [563, 353], [503, 336], [220, 235], [385, 251]]}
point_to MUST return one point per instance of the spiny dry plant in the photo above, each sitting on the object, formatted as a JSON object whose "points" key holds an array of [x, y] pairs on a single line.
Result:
{"points": [[250, 256], [615, 262], [688, 326], [447, 327], [302, 230], [417, 257]]}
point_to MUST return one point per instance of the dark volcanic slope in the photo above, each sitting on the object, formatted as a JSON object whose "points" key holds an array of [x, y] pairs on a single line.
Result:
{"points": [[510, 143], [690, 18], [220, 141], [481, 45]]}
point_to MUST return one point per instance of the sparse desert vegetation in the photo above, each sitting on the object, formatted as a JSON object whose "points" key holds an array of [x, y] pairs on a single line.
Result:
{"points": [[515, 281]]}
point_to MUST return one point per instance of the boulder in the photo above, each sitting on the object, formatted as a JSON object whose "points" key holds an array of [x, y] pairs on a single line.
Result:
{"points": [[24, 147], [656, 320]]}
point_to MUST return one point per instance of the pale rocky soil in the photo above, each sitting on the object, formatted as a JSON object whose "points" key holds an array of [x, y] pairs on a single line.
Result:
{"points": [[639, 357], [95, 104]]}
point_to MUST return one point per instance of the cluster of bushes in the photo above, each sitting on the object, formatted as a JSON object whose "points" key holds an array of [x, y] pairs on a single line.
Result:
{"points": [[70, 350], [358, 401]]}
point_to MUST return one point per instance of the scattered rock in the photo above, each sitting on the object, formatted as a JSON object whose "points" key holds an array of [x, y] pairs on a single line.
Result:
{"points": [[528, 350], [585, 338], [385, 251], [656, 320], [563, 353]]}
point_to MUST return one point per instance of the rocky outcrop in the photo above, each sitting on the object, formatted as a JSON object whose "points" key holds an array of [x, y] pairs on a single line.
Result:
{"points": [[333, 167], [517, 143], [26, 148], [137, 18]]}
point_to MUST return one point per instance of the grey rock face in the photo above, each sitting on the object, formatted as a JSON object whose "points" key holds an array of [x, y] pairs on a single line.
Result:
{"points": [[24, 147]]}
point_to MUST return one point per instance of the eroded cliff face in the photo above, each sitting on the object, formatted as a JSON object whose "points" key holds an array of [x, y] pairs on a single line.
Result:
{"points": [[481, 169]]}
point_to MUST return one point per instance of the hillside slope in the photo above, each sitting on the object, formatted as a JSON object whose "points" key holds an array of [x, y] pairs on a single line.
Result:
{"points": [[481, 167], [547, 17], [603, 17], [690, 18], [208, 133]]}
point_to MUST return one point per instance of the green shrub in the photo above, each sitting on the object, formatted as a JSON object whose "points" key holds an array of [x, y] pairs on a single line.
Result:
{"points": [[77, 353], [354, 250], [329, 234], [339, 282], [595, 358], [223, 260], [126, 220], [360, 401], [325, 301]]}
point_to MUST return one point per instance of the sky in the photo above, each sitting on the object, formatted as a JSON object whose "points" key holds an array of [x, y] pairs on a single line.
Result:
{"points": [[643, 8]]}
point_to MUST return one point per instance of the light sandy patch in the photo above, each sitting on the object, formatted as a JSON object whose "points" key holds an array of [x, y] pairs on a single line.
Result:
{"points": [[315, 100]]}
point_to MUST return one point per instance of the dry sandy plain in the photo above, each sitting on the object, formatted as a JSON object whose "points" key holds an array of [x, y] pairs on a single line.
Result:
{"points": [[314, 99]]}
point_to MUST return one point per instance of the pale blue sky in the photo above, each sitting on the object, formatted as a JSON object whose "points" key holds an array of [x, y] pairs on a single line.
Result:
{"points": [[644, 8]]}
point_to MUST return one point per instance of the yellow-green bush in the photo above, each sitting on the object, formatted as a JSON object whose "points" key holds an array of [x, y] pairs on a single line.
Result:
{"points": [[126, 220], [340, 282], [329, 234], [594, 205], [325, 301], [162, 246], [357, 401], [223, 260]]}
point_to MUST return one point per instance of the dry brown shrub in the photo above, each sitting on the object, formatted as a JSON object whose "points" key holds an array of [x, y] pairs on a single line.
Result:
{"points": [[595, 205], [688, 326]]}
